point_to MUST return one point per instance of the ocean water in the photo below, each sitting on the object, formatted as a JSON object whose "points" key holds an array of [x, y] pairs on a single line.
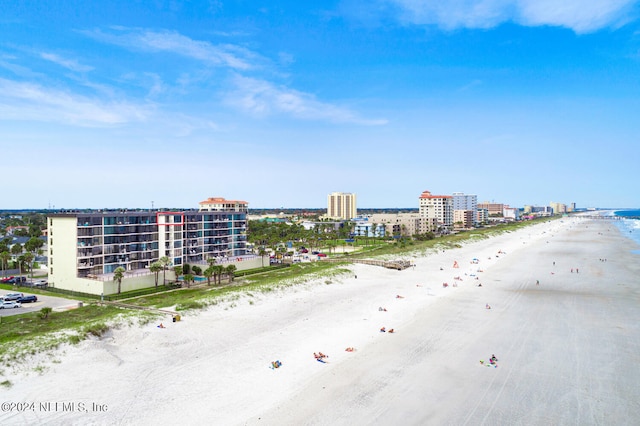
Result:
{"points": [[629, 227]]}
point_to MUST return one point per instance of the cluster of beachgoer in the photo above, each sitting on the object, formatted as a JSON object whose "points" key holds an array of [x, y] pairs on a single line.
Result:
{"points": [[320, 357], [276, 364], [384, 330], [493, 361]]}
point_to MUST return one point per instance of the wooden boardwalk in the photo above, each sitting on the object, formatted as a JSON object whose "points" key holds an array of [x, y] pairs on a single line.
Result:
{"points": [[389, 264]]}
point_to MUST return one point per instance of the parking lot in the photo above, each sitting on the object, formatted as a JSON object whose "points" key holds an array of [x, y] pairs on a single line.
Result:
{"points": [[56, 303]]}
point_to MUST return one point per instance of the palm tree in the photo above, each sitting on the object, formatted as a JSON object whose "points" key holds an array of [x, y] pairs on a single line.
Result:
{"points": [[230, 271], [178, 271], [4, 258], [16, 250], [118, 275], [262, 252], [217, 272], [28, 260], [188, 278], [208, 273], [165, 262], [155, 268]]}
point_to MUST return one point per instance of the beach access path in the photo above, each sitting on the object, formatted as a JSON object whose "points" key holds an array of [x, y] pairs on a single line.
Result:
{"points": [[567, 348]]}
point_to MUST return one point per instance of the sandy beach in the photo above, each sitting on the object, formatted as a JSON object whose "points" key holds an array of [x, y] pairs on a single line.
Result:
{"points": [[568, 348]]}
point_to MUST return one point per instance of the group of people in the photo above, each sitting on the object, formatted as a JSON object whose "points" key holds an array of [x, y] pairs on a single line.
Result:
{"points": [[276, 364], [493, 361], [384, 330], [320, 357]]}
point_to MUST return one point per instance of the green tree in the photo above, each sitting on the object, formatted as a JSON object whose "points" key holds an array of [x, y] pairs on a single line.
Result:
{"points": [[165, 262], [208, 273], [230, 270], [4, 259], [28, 259], [16, 249], [155, 268], [178, 271], [188, 278], [33, 245], [196, 270], [262, 253], [217, 272], [118, 275]]}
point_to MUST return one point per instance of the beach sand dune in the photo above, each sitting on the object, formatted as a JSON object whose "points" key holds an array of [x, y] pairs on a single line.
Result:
{"points": [[567, 348]]}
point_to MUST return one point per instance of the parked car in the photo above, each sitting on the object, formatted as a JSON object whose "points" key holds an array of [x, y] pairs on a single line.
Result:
{"points": [[12, 296], [28, 299], [322, 255], [10, 304], [7, 279], [15, 280]]}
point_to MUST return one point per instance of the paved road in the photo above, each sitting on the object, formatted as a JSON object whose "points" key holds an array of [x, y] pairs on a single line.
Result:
{"points": [[56, 303]]}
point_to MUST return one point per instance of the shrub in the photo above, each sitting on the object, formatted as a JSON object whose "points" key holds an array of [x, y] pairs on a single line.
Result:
{"points": [[44, 312]]}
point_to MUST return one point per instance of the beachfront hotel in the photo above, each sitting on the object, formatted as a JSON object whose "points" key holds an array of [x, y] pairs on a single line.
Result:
{"points": [[86, 247], [341, 205], [438, 207]]}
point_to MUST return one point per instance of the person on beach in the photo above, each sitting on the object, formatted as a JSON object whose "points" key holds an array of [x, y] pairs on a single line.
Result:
{"points": [[350, 349], [391, 330], [381, 309], [399, 297], [487, 306], [161, 325], [537, 282], [383, 330]]}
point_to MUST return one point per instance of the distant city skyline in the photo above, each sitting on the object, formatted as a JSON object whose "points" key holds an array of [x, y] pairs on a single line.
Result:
{"points": [[279, 103]]}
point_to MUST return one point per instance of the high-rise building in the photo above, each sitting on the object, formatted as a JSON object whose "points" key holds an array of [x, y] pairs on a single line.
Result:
{"points": [[438, 207], [85, 248], [341, 205], [466, 205]]}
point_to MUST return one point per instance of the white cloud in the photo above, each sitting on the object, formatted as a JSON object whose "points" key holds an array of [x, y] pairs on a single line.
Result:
{"points": [[28, 101], [229, 55], [71, 64], [580, 16], [264, 98]]}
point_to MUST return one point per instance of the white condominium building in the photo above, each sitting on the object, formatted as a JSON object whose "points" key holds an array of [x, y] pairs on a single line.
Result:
{"points": [[341, 205], [438, 207], [86, 247]]}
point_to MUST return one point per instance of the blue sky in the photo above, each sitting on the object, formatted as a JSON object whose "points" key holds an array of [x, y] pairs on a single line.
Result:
{"points": [[125, 103]]}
